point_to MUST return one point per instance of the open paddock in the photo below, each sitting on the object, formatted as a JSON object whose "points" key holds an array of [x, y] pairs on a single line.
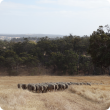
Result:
{"points": [[76, 97]]}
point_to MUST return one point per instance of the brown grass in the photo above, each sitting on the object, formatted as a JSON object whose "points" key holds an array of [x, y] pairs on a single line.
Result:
{"points": [[95, 97], [91, 93]]}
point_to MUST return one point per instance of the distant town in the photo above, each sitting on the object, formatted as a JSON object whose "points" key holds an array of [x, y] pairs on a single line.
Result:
{"points": [[9, 37]]}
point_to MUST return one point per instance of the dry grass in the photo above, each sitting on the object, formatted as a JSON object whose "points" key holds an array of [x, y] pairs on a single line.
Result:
{"points": [[95, 94], [95, 97]]}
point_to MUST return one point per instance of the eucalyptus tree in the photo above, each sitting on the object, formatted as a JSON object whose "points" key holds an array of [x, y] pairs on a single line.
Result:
{"points": [[99, 48]]}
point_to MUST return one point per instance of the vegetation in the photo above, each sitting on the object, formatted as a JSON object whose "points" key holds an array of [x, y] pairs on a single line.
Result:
{"points": [[70, 55], [99, 48]]}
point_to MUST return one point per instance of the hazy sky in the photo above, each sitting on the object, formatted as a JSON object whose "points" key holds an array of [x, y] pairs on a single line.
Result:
{"points": [[78, 17]]}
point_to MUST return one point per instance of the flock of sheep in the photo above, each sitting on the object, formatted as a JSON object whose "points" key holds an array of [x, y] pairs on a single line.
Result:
{"points": [[45, 87]]}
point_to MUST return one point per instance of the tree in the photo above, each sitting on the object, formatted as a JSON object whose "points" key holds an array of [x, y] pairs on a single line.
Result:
{"points": [[2, 60], [66, 62], [99, 48], [28, 59]]}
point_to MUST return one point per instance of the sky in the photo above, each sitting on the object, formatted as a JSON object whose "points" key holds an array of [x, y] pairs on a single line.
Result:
{"points": [[63, 17]]}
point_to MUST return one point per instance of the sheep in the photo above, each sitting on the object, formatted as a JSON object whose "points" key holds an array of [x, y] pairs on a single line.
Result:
{"points": [[50, 87], [88, 84], [77, 83], [56, 86], [68, 83], [29, 87], [81, 83], [61, 86], [36, 88], [84, 83], [66, 86], [43, 88], [24, 86], [46, 87], [33, 88], [19, 85], [71, 83], [74, 83], [39, 88]]}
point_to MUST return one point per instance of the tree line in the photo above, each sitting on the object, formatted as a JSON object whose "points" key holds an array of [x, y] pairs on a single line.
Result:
{"points": [[70, 55]]}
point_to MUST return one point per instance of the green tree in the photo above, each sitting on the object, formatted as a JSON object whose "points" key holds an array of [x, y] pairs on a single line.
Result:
{"points": [[99, 48], [66, 62], [2, 61]]}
